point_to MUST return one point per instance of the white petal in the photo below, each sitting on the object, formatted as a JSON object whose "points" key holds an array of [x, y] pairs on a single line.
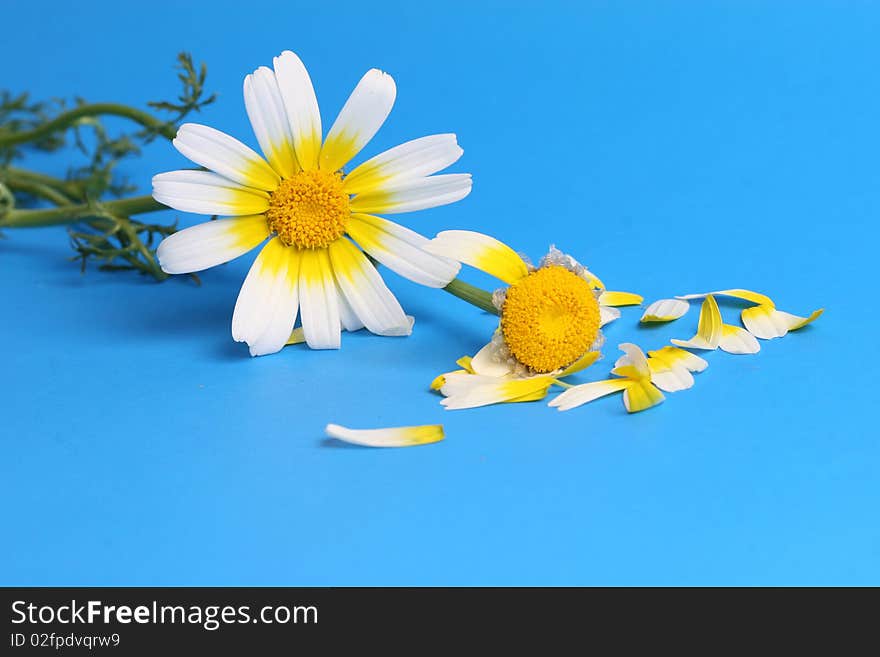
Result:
{"points": [[360, 118], [669, 378], [366, 292], [481, 251], [498, 390], [267, 303], [265, 108], [401, 250], [319, 305], [665, 310], [211, 243], [708, 329], [225, 155], [587, 392], [633, 358], [204, 192], [607, 314], [301, 107], [347, 317], [388, 437], [767, 323], [675, 357], [736, 340], [748, 295], [414, 159], [415, 194], [487, 361]]}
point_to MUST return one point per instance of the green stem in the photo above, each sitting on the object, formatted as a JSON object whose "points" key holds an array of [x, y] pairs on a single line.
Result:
{"points": [[70, 213], [38, 190], [473, 295], [66, 119], [16, 176]]}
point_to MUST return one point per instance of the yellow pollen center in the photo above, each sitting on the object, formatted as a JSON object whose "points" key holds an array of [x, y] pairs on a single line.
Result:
{"points": [[309, 210], [550, 318]]}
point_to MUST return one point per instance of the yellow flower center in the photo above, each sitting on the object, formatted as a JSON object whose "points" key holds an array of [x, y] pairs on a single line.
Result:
{"points": [[550, 318], [309, 210]]}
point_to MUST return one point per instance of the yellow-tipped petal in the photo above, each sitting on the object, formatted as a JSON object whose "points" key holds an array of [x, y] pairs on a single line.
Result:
{"points": [[580, 364], [641, 395], [466, 363], [485, 391], [736, 340], [388, 437], [481, 251], [592, 279], [608, 298], [633, 363], [766, 322], [665, 310], [748, 295], [673, 356], [607, 314], [709, 328], [669, 378], [587, 392], [297, 336]]}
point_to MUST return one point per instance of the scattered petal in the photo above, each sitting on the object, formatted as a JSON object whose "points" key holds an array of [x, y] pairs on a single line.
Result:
{"points": [[766, 322], [640, 396], [587, 392], [388, 437], [608, 298], [709, 328], [747, 295], [665, 310], [487, 362], [607, 314], [736, 340]]}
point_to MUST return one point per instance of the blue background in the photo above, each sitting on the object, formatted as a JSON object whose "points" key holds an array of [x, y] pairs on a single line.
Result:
{"points": [[672, 147]]}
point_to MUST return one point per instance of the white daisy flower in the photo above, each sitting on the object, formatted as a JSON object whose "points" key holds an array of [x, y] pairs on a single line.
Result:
{"points": [[310, 209]]}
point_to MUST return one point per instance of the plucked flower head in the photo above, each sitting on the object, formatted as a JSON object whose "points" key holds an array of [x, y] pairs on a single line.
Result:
{"points": [[550, 315], [319, 219]]}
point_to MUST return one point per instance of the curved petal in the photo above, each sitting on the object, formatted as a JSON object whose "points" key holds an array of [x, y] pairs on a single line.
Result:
{"points": [[665, 310], [401, 250], [486, 362], [204, 192], [633, 363], [669, 378], [481, 251], [301, 107], [747, 295], [607, 314], [640, 396], [211, 243], [388, 437], [581, 363], [587, 392], [265, 311], [360, 118], [608, 298], [366, 292], [674, 357], [766, 322], [736, 340], [499, 390], [319, 305], [414, 159], [415, 194], [265, 109], [708, 329], [225, 155]]}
